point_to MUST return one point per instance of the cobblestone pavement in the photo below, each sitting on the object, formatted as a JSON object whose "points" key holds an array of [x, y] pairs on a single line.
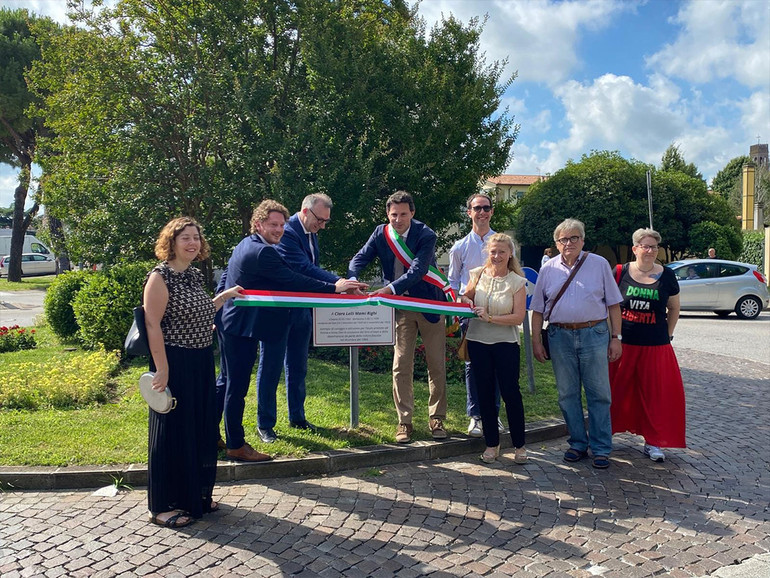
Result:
{"points": [[705, 508]]}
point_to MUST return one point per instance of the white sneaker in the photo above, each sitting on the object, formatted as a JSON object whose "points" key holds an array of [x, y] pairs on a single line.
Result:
{"points": [[500, 426], [654, 453], [475, 429]]}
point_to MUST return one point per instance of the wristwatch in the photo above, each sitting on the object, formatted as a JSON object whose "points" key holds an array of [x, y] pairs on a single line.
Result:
{"points": [[618, 336]]}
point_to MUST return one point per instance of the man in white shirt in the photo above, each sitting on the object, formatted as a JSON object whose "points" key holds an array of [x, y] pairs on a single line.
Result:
{"points": [[466, 254]]}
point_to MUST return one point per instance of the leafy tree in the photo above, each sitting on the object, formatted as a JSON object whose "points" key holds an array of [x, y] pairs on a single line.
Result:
{"points": [[729, 178], [6, 217], [609, 194], [726, 240], [19, 131], [163, 107], [674, 161]]}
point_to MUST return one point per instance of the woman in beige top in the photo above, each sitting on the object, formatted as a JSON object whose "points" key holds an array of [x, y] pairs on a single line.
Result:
{"points": [[496, 292]]}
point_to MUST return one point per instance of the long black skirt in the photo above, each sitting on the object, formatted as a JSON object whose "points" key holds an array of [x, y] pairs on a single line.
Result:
{"points": [[182, 446]]}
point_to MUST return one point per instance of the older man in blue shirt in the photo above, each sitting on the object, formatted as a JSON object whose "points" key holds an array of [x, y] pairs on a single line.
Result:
{"points": [[584, 336]]}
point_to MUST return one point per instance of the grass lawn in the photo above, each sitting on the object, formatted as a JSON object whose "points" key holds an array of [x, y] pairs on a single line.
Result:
{"points": [[27, 283], [116, 432]]}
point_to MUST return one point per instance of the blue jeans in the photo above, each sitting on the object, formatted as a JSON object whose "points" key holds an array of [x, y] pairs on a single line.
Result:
{"points": [[580, 356], [290, 352]]}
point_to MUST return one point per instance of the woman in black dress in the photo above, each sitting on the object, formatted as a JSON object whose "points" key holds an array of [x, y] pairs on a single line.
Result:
{"points": [[179, 314]]}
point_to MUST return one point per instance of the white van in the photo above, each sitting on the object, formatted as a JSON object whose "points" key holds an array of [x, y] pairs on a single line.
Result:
{"points": [[31, 244]]}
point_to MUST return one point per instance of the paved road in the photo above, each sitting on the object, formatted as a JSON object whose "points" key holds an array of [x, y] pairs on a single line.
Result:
{"points": [[698, 513], [20, 307], [729, 336]]}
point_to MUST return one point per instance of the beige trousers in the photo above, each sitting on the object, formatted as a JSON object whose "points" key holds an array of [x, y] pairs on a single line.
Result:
{"points": [[408, 324]]}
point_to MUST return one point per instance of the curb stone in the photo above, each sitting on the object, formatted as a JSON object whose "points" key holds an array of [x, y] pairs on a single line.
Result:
{"points": [[314, 464]]}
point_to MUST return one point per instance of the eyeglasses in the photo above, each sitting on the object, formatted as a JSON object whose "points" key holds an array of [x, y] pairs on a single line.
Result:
{"points": [[648, 247], [479, 208], [564, 240], [319, 219]]}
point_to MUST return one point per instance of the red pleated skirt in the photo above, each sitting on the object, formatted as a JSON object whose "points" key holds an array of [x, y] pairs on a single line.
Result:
{"points": [[648, 395]]}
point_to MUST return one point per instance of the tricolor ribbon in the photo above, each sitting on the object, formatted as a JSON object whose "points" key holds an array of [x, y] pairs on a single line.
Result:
{"points": [[434, 276], [255, 298]]}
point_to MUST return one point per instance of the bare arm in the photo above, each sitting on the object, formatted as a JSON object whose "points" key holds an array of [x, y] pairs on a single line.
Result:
{"points": [[672, 315], [513, 318], [615, 350], [220, 299], [155, 301]]}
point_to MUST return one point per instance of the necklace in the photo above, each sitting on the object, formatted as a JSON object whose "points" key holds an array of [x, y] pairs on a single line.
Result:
{"points": [[645, 270]]}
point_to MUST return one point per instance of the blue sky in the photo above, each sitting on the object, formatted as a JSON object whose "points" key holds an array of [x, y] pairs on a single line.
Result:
{"points": [[632, 76]]}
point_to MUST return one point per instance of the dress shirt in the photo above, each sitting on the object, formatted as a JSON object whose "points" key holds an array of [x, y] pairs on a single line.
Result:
{"points": [[309, 236], [589, 294], [466, 254], [398, 266]]}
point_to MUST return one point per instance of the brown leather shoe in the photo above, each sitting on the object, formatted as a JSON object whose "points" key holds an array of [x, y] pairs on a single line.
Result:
{"points": [[404, 433], [221, 445], [437, 430], [246, 453]]}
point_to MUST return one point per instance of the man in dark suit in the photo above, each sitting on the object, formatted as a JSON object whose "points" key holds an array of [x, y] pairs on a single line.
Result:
{"points": [[256, 264], [408, 279], [299, 246]]}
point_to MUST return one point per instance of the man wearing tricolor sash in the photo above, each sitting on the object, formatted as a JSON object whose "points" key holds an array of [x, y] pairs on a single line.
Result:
{"points": [[405, 248]]}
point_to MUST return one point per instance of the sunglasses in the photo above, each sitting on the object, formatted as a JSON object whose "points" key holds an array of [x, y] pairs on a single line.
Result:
{"points": [[479, 208]]}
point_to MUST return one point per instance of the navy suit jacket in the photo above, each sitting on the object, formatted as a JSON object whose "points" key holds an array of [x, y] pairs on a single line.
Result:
{"points": [[255, 264], [422, 242], [295, 249]]}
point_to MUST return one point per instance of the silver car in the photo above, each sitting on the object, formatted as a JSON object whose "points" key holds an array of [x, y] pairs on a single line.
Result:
{"points": [[31, 264], [721, 286]]}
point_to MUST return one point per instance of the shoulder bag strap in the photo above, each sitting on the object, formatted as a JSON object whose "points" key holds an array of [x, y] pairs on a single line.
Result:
{"points": [[566, 283]]}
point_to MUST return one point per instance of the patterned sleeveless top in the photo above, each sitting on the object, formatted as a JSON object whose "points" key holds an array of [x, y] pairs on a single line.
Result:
{"points": [[189, 316]]}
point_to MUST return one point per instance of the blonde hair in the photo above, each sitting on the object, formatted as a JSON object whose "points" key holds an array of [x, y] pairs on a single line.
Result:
{"points": [[513, 262], [263, 210], [164, 246]]}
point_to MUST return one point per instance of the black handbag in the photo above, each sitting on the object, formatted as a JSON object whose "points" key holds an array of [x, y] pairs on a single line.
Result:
{"points": [[544, 340], [136, 342]]}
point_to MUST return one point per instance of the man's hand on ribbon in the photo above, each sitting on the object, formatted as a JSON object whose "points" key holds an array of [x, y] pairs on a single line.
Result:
{"points": [[350, 286]]}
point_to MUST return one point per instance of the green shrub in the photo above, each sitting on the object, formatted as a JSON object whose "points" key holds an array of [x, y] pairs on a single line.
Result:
{"points": [[59, 382], [16, 338], [103, 306], [58, 303], [726, 240], [753, 248]]}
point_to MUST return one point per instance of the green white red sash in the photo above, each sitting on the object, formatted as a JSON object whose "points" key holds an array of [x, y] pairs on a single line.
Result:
{"points": [[434, 276], [255, 298]]}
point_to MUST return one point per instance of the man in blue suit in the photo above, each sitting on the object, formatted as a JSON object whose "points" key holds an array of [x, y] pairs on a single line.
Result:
{"points": [[256, 264], [299, 246], [408, 279]]}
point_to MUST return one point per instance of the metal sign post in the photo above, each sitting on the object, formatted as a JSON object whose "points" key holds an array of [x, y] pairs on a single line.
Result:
{"points": [[353, 327], [531, 276]]}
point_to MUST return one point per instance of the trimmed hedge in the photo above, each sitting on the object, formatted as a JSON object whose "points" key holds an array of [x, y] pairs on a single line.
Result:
{"points": [[58, 303], [753, 248], [103, 306]]}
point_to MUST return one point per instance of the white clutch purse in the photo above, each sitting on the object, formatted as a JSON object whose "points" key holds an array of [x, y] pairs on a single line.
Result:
{"points": [[159, 401]]}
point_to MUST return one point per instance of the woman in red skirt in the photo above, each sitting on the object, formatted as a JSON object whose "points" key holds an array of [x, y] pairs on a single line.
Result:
{"points": [[647, 389]]}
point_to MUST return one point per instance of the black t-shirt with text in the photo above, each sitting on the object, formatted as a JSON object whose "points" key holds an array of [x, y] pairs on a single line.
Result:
{"points": [[644, 308]]}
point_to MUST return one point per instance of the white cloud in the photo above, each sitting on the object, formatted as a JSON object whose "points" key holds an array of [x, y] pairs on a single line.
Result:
{"points": [[539, 37], [616, 113], [56, 9], [755, 116], [720, 39], [9, 180]]}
